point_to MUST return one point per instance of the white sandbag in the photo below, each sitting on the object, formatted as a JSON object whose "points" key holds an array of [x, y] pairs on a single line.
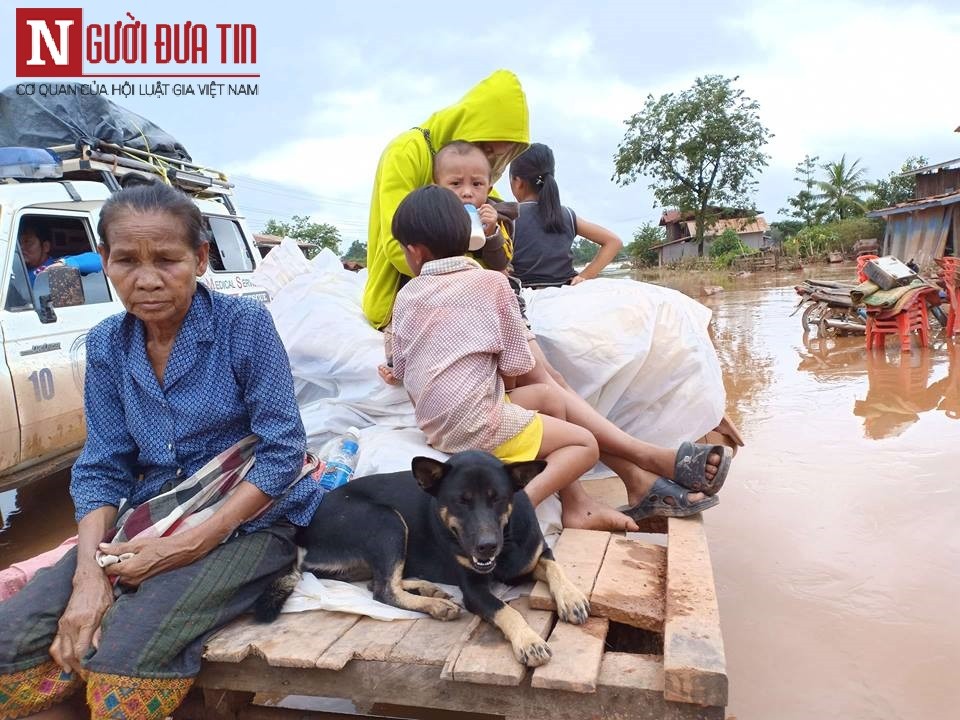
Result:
{"points": [[639, 353], [281, 265]]}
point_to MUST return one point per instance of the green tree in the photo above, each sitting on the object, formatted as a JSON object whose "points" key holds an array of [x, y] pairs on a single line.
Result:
{"points": [[803, 206], [897, 188], [841, 194], [357, 252], [699, 148], [584, 251], [785, 229], [644, 238], [320, 235]]}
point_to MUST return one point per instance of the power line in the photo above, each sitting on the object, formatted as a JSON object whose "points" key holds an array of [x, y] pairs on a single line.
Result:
{"points": [[286, 191]]}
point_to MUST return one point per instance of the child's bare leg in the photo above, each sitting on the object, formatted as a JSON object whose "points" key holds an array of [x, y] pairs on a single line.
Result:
{"points": [[610, 438], [570, 451], [545, 399]]}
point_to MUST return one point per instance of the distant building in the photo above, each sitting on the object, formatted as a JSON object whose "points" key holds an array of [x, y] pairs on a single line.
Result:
{"points": [[928, 226], [682, 229], [265, 243]]}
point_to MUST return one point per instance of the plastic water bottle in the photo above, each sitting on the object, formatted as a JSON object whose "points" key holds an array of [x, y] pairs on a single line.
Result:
{"points": [[477, 237], [342, 461]]}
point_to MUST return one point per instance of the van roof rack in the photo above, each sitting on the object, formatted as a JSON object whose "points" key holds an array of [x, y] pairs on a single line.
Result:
{"points": [[110, 162]]}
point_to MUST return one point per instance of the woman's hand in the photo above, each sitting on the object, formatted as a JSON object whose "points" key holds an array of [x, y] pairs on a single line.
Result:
{"points": [[576, 280], [488, 218], [79, 626], [152, 556]]}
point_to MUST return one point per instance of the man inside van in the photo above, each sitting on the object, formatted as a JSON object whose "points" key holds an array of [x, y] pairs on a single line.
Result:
{"points": [[35, 245]]}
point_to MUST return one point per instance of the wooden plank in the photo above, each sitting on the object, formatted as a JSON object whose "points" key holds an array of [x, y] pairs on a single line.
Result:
{"points": [[292, 640], [577, 651], [627, 671], [630, 587], [369, 639], [694, 664], [580, 554], [487, 658], [369, 682], [446, 673], [429, 641]]}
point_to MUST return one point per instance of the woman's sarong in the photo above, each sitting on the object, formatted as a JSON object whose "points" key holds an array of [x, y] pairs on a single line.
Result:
{"points": [[152, 637]]}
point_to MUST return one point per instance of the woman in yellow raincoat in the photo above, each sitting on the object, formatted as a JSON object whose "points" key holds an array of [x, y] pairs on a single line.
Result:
{"points": [[493, 114]]}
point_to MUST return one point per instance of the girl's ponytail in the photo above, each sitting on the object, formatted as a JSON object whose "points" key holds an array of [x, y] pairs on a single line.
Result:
{"points": [[536, 167]]}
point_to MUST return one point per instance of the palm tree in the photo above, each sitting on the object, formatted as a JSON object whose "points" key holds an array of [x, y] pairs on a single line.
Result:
{"points": [[840, 194]]}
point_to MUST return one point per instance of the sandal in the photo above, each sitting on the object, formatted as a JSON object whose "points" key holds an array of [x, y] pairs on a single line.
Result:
{"points": [[689, 470], [667, 499]]}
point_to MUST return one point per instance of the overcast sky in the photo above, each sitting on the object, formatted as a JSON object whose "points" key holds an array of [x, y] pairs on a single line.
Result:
{"points": [[874, 80]]}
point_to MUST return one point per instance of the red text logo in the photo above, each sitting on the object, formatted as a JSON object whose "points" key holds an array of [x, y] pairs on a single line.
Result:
{"points": [[49, 42]]}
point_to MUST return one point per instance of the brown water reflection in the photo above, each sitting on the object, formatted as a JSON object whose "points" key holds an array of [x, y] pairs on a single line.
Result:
{"points": [[835, 546]]}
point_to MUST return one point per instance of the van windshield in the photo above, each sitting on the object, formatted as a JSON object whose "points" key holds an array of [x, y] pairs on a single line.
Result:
{"points": [[229, 251]]}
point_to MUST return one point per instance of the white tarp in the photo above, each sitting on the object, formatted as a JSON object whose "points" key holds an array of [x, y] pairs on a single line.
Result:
{"points": [[641, 354], [637, 352]]}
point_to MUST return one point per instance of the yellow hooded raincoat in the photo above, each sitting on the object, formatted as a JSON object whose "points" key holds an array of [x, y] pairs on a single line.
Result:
{"points": [[495, 110]]}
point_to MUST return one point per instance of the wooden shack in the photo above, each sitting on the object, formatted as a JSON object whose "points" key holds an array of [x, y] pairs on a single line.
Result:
{"points": [[681, 230], [928, 226]]}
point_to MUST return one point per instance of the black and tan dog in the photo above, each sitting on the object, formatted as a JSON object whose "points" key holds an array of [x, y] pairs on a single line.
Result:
{"points": [[461, 522]]}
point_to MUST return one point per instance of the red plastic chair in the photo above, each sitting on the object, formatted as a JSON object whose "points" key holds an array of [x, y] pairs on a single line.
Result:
{"points": [[861, 261], [912, 318], [950, 274]]}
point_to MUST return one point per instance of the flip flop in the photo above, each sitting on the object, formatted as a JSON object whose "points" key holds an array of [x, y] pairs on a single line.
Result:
{"points": [[691, 464], [655, 503]]}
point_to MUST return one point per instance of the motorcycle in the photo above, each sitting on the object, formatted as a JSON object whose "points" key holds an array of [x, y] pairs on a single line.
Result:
{"points": [[828, 308]]}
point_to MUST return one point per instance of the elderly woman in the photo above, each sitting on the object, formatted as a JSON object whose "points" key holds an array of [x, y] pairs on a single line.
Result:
{"points": [[181, 390]]}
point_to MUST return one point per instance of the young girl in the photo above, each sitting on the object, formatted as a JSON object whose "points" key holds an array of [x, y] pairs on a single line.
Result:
{"points": [[545, 230]]}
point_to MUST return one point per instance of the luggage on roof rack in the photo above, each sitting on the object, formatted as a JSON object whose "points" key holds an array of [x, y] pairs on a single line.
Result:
{"points": [[73, 118]]}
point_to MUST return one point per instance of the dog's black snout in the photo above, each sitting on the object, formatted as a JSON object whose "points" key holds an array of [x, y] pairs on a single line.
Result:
{"points": [[486, 550]]}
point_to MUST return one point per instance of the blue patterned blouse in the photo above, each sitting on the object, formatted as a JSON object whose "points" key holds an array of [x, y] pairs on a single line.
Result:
{"points": [[228, 375]]}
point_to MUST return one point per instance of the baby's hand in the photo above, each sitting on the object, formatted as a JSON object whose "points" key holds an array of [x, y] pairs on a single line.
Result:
{"points": [[386, 374], [488, 216]]}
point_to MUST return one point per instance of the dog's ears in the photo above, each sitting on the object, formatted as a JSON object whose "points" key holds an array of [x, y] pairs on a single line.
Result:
{"points": [[428, 472], [523, 472]]}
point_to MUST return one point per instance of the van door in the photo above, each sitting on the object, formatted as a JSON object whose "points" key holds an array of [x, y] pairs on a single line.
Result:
{"points": [[232, 263], [46, 351], [9, 423]]}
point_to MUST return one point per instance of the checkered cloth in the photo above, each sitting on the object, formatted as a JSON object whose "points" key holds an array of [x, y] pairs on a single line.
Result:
{"points": [[456, 330], [195, 499]]}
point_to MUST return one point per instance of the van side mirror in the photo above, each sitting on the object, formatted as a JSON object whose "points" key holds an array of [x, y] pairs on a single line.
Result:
{"points": [[58, 286]]}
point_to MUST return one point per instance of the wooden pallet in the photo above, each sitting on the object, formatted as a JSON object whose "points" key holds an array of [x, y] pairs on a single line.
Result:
{"points": [[658, 598]]}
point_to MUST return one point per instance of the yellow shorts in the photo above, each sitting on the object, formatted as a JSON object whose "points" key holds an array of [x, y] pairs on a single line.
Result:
{"points": [[523, 446]]}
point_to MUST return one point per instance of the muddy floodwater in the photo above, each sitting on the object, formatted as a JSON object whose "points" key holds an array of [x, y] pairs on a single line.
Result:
{"points": [[836, 545]]}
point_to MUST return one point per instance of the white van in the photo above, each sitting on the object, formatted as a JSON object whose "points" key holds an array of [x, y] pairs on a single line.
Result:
{"points": [[43, 336]]}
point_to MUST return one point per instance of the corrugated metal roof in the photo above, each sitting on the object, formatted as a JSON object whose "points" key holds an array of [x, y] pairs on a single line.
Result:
{"points": [[741, 226], [919, 204], [929, 168], [738, 225]]}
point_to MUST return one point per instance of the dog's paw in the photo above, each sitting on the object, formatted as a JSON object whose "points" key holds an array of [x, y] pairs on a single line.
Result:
{"points": [[532, 650], [443, 609], [425, 588], [572, 605]]}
